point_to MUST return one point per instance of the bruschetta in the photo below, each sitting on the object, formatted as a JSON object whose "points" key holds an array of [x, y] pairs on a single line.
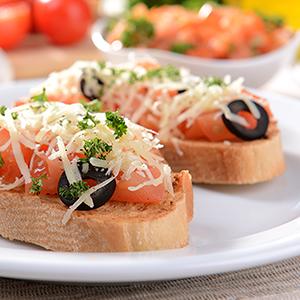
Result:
{"points": [[72, 179], [215, 128]]}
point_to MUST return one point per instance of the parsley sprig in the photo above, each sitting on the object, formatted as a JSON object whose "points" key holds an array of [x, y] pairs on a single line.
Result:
{"points": [[138, 31], [40, 98], [117, 123], [92, 106], [3, 109], [181, 48], [74, 190], [1, 161], [39, 101], [87, 122], [95, 148], [212, 80], [37, 184]]}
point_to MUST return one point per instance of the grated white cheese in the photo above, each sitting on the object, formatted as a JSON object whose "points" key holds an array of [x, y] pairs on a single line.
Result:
{"points": [[152, 95], [56, 125]]}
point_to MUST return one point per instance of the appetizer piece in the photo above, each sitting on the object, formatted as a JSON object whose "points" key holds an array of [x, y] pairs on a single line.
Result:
{"points": [[221, 32], [213, 127], [75, 180]]}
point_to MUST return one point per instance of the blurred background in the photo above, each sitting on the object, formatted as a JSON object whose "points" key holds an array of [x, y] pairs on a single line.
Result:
{"points": [[41, 36]]}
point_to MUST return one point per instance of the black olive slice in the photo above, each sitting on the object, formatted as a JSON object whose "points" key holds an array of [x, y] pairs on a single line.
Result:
{"points": [[242, 132], [100, 197], [91, 85], [181, 91]]}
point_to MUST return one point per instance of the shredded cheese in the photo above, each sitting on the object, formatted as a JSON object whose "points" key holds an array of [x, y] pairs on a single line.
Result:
{"points": [[151, 96], [56, 126]]}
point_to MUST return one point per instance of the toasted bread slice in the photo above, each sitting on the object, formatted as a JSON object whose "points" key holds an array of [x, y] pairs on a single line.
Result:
{"points": [[228, 163], [114, 227]]}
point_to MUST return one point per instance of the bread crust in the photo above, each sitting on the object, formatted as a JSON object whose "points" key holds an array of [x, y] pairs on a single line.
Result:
{"points": [[114, 227], [228, 163]]}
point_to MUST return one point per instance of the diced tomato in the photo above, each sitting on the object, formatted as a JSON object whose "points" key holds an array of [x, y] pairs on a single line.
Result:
{"points": [[10, 170], [147, 194], [52, 169], [213, 127], [194, 132], [252, 122]]}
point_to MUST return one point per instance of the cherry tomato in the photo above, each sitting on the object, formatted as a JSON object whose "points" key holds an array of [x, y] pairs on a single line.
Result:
{"points": [[63, 21], [15, 23]]}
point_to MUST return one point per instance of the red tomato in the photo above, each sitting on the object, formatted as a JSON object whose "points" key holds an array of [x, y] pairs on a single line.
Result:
{"points": [[15, 23], [147, 194], [63, 21]]}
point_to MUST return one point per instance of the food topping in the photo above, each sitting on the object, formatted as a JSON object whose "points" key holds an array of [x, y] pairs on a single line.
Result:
{"points": [[53, 146], [215, 31], [70, 193], [253, 124], [165, 99]]}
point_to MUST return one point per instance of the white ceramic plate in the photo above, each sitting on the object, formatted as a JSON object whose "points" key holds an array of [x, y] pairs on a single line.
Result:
{"points": [[233, 228], [256, 70]]}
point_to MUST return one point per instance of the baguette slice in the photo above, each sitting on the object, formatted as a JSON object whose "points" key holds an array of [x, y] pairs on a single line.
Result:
{"points": [[228, 163], [114, 227]]}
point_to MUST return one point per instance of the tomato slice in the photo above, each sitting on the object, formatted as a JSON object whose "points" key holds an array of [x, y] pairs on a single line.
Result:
{"points": [[147, 194]]}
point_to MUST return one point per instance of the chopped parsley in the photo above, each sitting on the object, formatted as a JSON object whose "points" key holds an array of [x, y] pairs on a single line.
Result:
{"points": [[168, 71], [117, 123], [74, 190], [40, 98], [181, 48], [3, 109], [92, 106], [95, 148], [102, 64], [37, 184], [212, 80], [1, 161], [14, 115], [88, 122], [272, 21], [138, 31]]}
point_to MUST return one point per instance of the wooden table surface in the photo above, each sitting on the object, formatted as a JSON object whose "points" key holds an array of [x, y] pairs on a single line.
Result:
{"points": [[36, 57]]}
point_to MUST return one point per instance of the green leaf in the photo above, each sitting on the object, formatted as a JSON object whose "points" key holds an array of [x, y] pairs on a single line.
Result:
{"points": [[74, 190], [88, 122], [92, 106], [181, 48], [15, 115], [1, 161], [3, 109], [37, 184], [40, 98], [138, 31], [212, 80], [117, 123], [96, 148]]}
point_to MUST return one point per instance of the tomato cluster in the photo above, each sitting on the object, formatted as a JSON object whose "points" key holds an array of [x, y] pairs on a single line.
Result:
{"points": [[62, 21]]}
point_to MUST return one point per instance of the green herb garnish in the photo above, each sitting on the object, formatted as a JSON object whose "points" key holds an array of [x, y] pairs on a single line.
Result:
{"points": [[74, 190], [210, 81], [92, 106], [88, 122], [168, 71], [181, 48], [95, 148], [40, 98], [37, 184], [14, 115], [117, 123], [138, 31], [3, 109], [1, 161], [272, 21]]}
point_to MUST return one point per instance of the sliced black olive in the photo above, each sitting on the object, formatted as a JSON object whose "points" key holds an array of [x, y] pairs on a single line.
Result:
{"points": [[242, 132], [90, 85], [100, 197], [181, 91]]}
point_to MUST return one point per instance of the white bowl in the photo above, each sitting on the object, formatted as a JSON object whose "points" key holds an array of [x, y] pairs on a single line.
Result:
{"points": [[256, 70]]}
